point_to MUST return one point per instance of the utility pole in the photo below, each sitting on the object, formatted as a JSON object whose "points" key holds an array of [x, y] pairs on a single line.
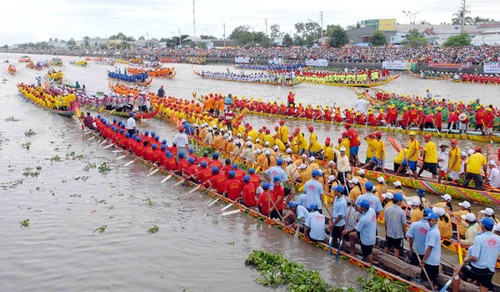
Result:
{"points": [[194, 21], [321, 18], [224, 35], [180, 38], [463, 11], [265, 24]]}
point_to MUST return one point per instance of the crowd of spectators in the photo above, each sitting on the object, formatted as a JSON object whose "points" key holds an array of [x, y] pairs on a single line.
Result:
{"points": [[476, 55]]}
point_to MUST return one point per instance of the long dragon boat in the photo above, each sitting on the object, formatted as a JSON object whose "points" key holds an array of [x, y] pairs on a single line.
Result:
{"points": [[167, 73], [364, 85], [137, 115], [289, 84], [406, 270], [412, 286], [452, 134], [82, 63], [29, 96]]}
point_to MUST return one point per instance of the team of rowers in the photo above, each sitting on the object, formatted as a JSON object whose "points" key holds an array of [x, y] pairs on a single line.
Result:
{"points": [[264, 77], [353, 217], [464, 77]]}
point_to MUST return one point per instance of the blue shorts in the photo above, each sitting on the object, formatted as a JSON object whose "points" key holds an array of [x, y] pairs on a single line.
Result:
{"points": [[411, 164], [378, 162], [354, 150]]}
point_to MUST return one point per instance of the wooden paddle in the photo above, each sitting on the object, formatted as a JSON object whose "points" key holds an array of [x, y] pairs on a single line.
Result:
{"points": [[227, 207], [448, 283], [460, 253], [130, 162], [425, 271], [342, 239], [121, 157], [154, 171], [214, 202], [167, 178], [232, 212]]}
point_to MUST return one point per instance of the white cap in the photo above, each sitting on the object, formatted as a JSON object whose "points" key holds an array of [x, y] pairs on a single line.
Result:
{"points": [[470, 152], [230, 132], [387, 195], [380, 179], [331, 162], [342, 148], [195, 125], [465, 204], [266, 144], [304, 156], [414, 202], [276, 148], [258, 151], [488, 211], [496, 227], [303, 166], [239, 135], [183, 120], [331, 178], [397, 183], [354, 181], [439, 211], [446, 197], [257, 140], [312, 159], [230, 138], [249, 138], [463, 153], [288, 159], [249, 143], [361, 171], [469, 217], [289, 150], [267, 153], [492, 162]]}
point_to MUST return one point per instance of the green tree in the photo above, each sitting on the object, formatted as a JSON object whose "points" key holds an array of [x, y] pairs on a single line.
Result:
{"points": [[378, 38], [337, 36], [478, 19], [86, 40], [287, 40], [207, 37], [71, 43], [306, 33], [458, 41], [414, 39], [276, 31], [141, 38]]}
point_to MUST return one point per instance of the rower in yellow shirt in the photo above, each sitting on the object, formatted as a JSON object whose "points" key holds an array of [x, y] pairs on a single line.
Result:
{"points": [[454, 161], [346, 143], [269, 138], [444, 223], [371, 147], [429, 157], [314, 146], [411, 156], [283, 132], [253, 134]]}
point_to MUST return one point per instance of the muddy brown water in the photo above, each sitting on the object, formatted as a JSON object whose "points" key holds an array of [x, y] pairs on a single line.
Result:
{"points": [[195, 249]]}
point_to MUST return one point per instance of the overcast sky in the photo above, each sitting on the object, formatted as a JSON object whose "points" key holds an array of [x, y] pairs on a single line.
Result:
{"points": [[38, 20]]}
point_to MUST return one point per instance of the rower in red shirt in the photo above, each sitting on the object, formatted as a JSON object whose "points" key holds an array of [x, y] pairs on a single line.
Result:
{"points": [[381, 118], [169, 162], [192, 155], [218, 181], [238, 173], [227, 167], [309, 112], [290, 111], [372, 120], [205, 158], [233, 187], [248, 192], [182, 164], [215, 161], [204, 174], [192, 170], [254, 178], [263, 202], [138, 147], [328, 114], [438, 119], [147, 151], [277, 195]]}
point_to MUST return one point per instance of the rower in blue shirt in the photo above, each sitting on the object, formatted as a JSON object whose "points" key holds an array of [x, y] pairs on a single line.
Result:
{"points": [[479, 264], [417, 234], [374, 200], [315, 225], [432, 256], [314, 191], [366, 230]]}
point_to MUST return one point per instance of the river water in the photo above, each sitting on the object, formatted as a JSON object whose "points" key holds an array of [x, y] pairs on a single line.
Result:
{"points": [[195, 249]]}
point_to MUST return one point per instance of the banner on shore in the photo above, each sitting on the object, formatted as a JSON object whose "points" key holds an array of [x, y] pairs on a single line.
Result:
{"points": [[396, 65], [449, 65], [242, 60], [492, 68], [275, 61], [317, 62]]}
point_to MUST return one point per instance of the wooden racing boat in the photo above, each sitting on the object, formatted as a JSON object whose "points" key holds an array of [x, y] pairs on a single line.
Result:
{"points": [[82, 63], [441, 77], [68, 113], [249, 81], [452, 134], [364, 85], [137, 115], [412, 286]]}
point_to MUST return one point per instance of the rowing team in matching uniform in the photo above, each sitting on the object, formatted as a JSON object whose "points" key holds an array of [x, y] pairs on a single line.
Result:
{"points": [[255, 77], [355, 220]]}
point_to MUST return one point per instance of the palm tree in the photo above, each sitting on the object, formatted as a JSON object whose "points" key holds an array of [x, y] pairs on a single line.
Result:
{"points": [[457, 17]]}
